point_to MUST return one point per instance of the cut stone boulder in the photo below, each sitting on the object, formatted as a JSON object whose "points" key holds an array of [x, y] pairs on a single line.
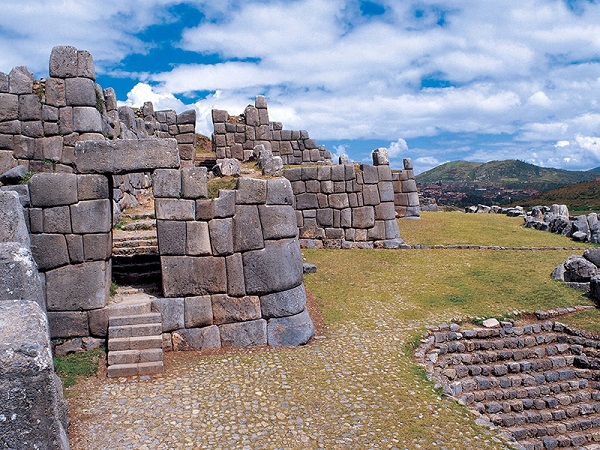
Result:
{"points": [[579, 269]]}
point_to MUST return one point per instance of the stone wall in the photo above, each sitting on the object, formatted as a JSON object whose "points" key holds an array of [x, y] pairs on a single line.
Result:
{"points": [[236, 137], [344, 207], [406, 196], [70, 222], [537, 382], [42, 120], [244, 244]]}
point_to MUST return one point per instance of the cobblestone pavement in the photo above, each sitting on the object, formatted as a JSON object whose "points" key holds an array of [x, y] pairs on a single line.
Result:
{"points": [[352, 389]]}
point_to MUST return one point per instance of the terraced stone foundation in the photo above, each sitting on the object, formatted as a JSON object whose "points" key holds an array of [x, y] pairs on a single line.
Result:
{"points": [[539, 383]]}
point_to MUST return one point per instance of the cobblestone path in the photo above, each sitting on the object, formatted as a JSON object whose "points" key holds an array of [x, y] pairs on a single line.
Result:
{"points": [[352, 389]]}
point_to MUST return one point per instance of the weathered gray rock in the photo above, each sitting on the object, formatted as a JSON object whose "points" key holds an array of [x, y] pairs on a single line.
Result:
{"points": [[68, 324], [91, 216], [309, 268], [592, 255], [172, 311], [9, 107], [122, 156], [293, 330], [277, 267], [193, 182], [53, 189], [87, 119], [3, 82], [92, 187], [559, 272], [33, 408], [85, 65], [197, 338], [180, 275], [247, 229], [19, 277], [49, 250], [227, 167], [279, 192], [80, 92], [221, 236], [580, 224], [363, 217], [197, 239], [560, 210], [20, 81], [282, 304], [595, 290], [63, 62], [244, 334], [579, 269], [175, 209], [277, 221], [78, 287], [224, 205], [14, 175], [235, 309], [12, 219], [166, 183], [380, 157], [251, 191], [57, 220], [198, 311], [579, 236], [30, 107]]}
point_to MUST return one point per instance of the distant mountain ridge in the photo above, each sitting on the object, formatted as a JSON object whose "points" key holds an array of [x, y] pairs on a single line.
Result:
{"points": [[584, 196], [510, 173]]}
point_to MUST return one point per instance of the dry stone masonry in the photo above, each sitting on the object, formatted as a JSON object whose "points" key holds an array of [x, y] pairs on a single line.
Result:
{"points": [[539, 383], [236, 137], [244, 245]]}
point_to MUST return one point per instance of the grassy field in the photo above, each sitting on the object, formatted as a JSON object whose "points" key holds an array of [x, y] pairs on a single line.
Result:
{"points": [[478, 229]]}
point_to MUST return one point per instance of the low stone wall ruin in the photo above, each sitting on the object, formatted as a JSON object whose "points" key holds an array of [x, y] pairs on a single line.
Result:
{"points": [[341, 207], [42, 120], [236, 137]]}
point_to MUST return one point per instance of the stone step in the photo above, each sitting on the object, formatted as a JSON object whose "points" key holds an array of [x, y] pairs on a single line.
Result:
{"points": [[512, 382], [128, 370], [535, 416], [136, 319], [134, 356], [140, 250], [143, 242], [135, 343], [568, 434], [139, 330]]}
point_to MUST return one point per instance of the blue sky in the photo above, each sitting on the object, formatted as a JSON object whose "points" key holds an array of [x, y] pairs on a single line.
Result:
{"points": [[431, 80]]}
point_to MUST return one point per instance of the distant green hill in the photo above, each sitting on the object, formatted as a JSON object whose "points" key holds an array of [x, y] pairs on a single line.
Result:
{"points": [[510, 174], [584, 196]]}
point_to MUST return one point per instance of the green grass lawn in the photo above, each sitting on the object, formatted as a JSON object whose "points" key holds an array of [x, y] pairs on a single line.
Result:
{"points": [[448, 228]]}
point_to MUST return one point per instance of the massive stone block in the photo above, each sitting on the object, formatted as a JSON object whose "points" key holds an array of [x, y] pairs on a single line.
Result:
{"points": [[12, 219], [20, 81], [187, 276], [53, 189], [166, 183], [293, 330], [31, 403], [92, 187], [277, 267], [235, 309], [172, 311], [171, 237], [78, 287], [63, 62], [122, 156], [19, 277], [87, 119], [175, 209], [197, 338], [244, 334], [49, 250], [80, 92], [197, 240], [91, 216], [278, 221], [285, 303], [247, 230], [198, 311], [68, 324]]}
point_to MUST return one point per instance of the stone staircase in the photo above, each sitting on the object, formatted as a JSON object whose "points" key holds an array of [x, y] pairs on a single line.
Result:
{"points": [[539, 383], [135, 257], [134, 336]]}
